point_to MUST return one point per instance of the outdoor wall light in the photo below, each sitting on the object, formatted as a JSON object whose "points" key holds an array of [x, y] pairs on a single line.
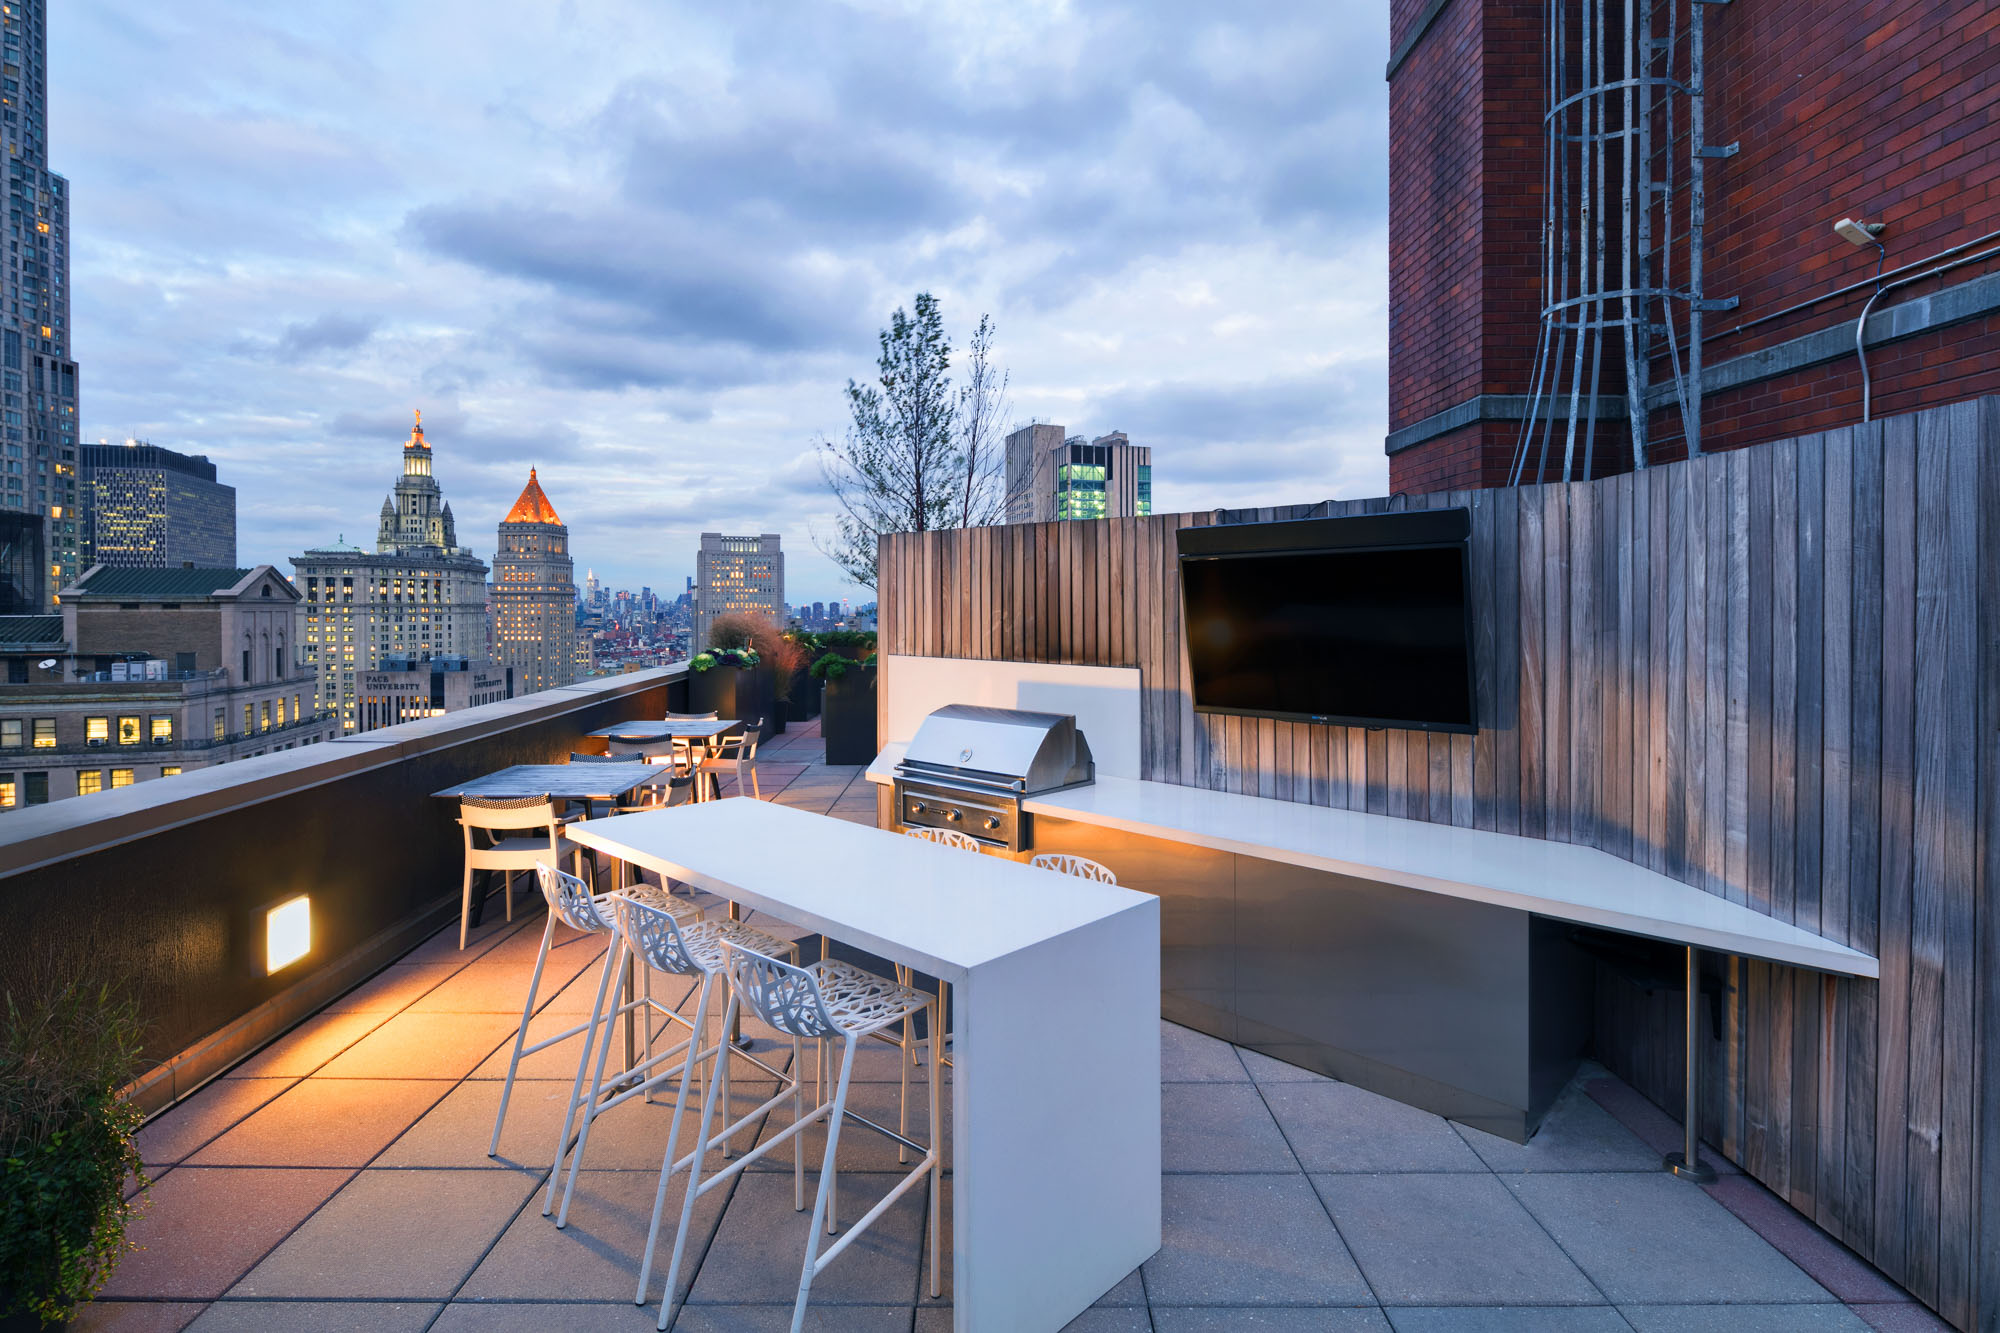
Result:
{"points": [[287, 933], [1854, 232]]}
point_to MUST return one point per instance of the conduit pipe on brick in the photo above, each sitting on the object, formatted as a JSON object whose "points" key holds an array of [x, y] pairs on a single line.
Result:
{"points": [[1861, 325]]}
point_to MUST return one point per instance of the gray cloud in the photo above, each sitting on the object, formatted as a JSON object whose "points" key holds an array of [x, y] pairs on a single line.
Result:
{"points": [[328, 333], [641, 246]]}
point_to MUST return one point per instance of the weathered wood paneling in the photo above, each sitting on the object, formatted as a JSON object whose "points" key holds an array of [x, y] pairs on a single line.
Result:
{"points": [[1773, 674]]}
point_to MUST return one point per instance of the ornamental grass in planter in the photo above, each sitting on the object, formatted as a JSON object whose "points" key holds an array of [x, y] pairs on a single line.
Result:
{"points": [[66, 1147], [803, 700], [756, 646]]}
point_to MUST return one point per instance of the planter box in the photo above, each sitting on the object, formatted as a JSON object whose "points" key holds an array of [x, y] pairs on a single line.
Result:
{"points": [[847, 718], [804, 706], [735, 692]]}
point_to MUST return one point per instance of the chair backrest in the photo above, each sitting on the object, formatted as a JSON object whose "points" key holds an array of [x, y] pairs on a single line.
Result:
{"points": [[570, 900], [946, 837], [692, 717], [575, 758], [1080, 866], [741, 745], [784, 996], [506, 812], [658, 939]]}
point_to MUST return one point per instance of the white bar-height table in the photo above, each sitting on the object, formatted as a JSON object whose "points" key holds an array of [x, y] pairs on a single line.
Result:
{"points": [[1055, 1036]]}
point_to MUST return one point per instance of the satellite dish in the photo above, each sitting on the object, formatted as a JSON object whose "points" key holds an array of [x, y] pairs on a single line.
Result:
{"points": [[47, 664]]}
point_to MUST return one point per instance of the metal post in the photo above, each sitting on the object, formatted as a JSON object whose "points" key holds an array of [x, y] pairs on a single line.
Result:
{"points": [[736, 1037], [1687, 1163]]}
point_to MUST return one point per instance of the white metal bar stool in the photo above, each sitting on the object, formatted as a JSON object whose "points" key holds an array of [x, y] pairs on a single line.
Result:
{"points": [[826, 1001], [943, 837], [661, 940], [1080, 866], [496, 817], [572, 904]]}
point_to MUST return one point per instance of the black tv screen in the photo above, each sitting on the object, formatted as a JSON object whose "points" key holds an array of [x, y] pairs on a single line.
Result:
{"points": [[1359, 621]]}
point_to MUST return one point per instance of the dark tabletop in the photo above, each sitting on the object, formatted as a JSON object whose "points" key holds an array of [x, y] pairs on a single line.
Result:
{"points": [[562, 782], [640, 731]]}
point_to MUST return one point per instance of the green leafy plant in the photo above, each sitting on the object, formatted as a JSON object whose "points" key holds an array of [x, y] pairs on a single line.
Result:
{"points": [[66, 1144], [848, 638], [835, 666], [702, 662], [830, 666]]}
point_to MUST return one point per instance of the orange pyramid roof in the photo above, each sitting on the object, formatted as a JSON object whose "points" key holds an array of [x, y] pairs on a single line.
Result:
{"points": [[533, 506]]}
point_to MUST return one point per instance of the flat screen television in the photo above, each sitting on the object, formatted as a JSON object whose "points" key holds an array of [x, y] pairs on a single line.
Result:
{"points": [[1362, 621]]}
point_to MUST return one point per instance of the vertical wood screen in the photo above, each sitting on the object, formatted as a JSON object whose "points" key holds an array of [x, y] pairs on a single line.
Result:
{"points": [[1770, 673]]}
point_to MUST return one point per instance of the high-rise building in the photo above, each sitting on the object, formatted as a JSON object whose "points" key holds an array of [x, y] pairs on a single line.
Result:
{"points": [[38, 382], [534, 594], [145, 507], [743, 574], [1053, 476], [418, 593], [24, 567]]}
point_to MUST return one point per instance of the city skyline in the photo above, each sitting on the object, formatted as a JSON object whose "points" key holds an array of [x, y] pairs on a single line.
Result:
{"points": [[331, 227]]}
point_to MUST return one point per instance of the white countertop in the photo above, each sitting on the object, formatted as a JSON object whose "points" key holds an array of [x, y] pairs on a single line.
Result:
{"points": [[1552, 879], [938, 909]]}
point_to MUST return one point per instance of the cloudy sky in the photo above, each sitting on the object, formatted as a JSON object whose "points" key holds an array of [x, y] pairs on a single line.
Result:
{"points": [[641, 246]]}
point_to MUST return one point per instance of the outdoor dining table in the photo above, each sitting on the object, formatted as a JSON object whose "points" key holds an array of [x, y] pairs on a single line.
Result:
{"points": [[559, 782], [652, 736], [649, 731], [1055, 1117]]}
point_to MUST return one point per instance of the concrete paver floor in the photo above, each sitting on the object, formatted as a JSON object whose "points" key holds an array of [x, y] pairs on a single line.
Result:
{"points": [[338, 1181]]}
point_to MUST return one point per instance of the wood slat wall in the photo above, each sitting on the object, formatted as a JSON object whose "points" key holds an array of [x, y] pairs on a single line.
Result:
{"points": [[1772, 673]]}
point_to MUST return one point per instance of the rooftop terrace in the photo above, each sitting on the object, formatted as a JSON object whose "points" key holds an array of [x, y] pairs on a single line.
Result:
{"points": [[337, 1179]]}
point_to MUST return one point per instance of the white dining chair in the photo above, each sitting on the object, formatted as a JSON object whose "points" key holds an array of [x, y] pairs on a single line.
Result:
{"points": [[737, 752], [498, 837], [685, 747]]}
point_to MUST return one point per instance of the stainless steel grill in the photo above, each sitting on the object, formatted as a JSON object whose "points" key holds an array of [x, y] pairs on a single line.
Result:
{"points": [[969, 768]]}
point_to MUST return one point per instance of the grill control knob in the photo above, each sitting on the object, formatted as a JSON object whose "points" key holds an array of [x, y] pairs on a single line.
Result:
{"points": [[953, 815], [992, 823]]}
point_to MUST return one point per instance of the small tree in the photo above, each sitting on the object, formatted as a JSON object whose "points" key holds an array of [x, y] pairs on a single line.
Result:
{"points": [[916, 455]]}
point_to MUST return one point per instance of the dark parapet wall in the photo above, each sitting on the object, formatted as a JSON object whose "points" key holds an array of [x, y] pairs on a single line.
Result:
{"points": [[162, 888]]}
